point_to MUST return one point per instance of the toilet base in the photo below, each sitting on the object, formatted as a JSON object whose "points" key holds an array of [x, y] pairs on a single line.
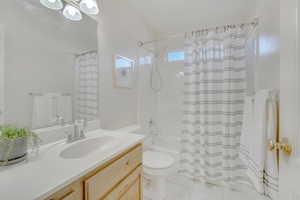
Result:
{"points": [[155, 187]]}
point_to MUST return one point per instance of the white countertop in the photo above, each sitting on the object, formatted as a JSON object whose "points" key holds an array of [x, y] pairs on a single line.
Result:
{"points": [[42, 175]]}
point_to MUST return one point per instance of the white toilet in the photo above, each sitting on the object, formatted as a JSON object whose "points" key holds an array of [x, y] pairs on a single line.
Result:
{"points": [[157, 166]]}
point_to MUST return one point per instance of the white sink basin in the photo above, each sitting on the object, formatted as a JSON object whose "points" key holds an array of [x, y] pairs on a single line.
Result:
{"points": [[86, 147]]}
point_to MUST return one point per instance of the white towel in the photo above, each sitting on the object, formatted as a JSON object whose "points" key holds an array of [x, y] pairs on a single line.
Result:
{"points": [[271, 172], [47, 108], [42, 111], [64, 107], [251, 145], [259, 138], [247, 128], [260, 125]]}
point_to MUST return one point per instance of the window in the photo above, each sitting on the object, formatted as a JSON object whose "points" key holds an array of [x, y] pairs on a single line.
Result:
{"points": [[146, 60], [176, 56], [124, 72], [123, 63]]}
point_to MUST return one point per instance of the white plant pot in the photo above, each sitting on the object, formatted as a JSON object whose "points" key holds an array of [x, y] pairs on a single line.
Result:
{"points": [[17, 151]]}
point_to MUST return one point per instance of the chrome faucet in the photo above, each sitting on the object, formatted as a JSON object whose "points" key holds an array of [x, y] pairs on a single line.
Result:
{"points": [[58, 120], [79, 131]]}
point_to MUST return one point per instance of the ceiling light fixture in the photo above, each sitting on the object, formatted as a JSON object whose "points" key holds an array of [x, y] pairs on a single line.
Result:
{"points": [[72, 8], [52, 4], [89, 7], [72, 13]]}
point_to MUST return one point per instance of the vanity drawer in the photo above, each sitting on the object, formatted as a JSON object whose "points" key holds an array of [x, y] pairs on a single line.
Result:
{"points": [[98, 185], [69, 196], [129, 189], [72, 192]]}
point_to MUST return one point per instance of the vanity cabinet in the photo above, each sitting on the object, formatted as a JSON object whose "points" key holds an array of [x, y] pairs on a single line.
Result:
{"points": [[129, 189], [117, 179], [71, 192]]}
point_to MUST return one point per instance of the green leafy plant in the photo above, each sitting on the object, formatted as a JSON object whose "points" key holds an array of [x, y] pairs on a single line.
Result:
{"points": [[10, 134]]}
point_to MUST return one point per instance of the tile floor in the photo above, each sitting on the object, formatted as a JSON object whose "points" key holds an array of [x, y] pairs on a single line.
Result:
{"points": [[180, 189]]}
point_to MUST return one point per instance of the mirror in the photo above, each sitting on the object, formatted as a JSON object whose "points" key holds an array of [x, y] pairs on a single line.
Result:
{"points": [[50, 66], [123, 72]]}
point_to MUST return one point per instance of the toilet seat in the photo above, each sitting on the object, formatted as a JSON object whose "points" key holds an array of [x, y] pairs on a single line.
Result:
{"points": [[157, 160]]}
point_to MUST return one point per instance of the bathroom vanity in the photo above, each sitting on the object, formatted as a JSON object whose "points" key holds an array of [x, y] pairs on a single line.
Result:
{"points": [[119, 178], [105, 165]]}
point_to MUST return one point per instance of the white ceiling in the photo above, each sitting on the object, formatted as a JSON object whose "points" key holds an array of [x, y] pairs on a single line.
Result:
{"points": [[179, 16]]}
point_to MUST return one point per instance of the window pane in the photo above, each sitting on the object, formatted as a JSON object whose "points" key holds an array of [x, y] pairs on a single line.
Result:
{"points": [[176, 56], [146, 60], [122, 63]]}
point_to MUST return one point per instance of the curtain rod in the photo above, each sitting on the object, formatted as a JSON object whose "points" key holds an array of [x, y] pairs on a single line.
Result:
{"points": [[42, 94], [255, 22]]}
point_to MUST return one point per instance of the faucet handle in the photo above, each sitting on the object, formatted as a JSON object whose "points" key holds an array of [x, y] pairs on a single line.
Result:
{"points": [[58, 120], [69, 136], [61, 121], [82, 135], [84, 122]]}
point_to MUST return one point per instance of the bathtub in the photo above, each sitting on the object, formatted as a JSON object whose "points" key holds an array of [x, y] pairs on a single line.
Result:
{"points": [[158, 143]]}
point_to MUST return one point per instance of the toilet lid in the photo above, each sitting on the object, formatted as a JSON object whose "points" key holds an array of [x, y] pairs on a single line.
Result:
{"points": [[157, 160]]}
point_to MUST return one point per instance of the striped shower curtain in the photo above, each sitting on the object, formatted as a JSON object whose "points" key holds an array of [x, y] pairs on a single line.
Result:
{"points": [[87, 86], [214, 91]]}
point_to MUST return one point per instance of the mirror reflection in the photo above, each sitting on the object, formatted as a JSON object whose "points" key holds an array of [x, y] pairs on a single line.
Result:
{"points": [[50, 66]]}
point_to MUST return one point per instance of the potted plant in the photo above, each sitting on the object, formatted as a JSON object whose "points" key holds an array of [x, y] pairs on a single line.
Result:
{"points": [[15, 142]]}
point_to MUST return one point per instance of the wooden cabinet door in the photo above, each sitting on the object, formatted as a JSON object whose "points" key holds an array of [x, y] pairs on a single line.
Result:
{"points": [[134, 192], [129, 189], [70, 196], [100, 184]]}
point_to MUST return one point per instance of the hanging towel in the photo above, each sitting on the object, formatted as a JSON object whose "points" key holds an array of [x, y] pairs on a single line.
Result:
{"points": [[251, 147], [259, 126], [271, 172], [64, 107], [247, 128], [42, 111]]}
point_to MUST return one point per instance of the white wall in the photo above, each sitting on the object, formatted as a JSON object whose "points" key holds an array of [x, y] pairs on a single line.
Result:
{"points": [[44, 73], [268, 67], [289, 96], [179, 16], [119, 30], [39, 56], [2, 82], [165, 107]]}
